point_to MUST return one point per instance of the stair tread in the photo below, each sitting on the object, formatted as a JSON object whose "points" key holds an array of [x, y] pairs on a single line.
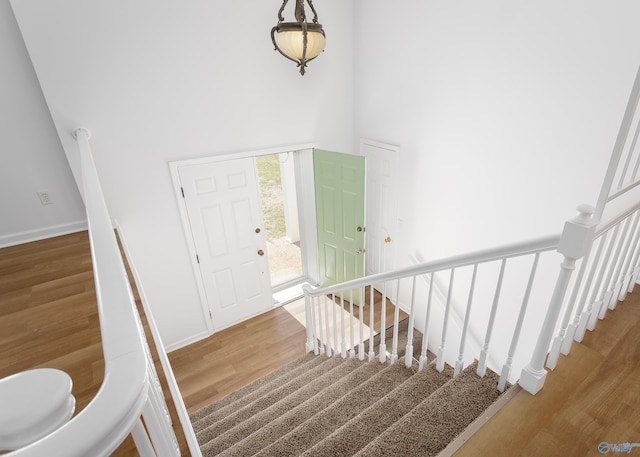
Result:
{"points": [[282, 424], [328, 420], [213, 428], [249, 393], [360, 430], [429, 427], [256, 416]]}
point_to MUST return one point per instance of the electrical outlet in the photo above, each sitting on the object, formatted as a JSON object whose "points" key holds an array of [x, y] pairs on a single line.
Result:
{"points": [[45, 197]]}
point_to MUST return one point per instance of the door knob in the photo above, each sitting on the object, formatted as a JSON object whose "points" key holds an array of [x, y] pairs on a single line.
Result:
{"points": [[258, 230], [359, 229], [359, 251], [260, 252], [387, 239]]}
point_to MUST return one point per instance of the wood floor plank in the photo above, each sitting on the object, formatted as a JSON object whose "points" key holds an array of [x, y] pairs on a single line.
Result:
{"points": [[589, 398]]}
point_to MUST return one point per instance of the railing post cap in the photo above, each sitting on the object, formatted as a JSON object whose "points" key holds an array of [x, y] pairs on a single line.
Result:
{"points": [[585, 212], [81, 130]]}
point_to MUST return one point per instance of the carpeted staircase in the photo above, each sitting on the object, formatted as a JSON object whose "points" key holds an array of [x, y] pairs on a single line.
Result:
{"points": [[319, 406]]}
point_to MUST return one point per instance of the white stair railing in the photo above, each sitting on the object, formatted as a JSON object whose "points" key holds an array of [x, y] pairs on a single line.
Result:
{"points": [[130, 400], [610, 228], [318, 300]]}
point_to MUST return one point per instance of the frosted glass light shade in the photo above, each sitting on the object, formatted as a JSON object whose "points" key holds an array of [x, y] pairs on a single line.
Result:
{"points": [[291, 43]]}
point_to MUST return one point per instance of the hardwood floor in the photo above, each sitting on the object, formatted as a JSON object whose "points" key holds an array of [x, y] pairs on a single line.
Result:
{"points": [[593, 396], [48, 317], [230, 359]]}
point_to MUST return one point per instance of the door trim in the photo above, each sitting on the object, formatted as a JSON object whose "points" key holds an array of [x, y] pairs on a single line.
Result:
{"points": [[174, 167]]}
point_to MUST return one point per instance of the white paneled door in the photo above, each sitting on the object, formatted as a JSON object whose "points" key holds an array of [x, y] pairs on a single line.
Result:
{"points": [[382, 164], [223, 207]]}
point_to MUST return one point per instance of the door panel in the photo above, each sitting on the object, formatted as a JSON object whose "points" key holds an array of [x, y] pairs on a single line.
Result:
{"points": [[339, 180], [382, 233], [225, 218]]}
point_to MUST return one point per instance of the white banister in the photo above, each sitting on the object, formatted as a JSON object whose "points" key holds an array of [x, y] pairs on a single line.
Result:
{"points": [[382, 355], [115, 411], [574, 243], [465, 326], [396, 318], [427, 321], [506, 369], [482, 362], [372, 353], [445, 325], [337, 293], [408, 354]]}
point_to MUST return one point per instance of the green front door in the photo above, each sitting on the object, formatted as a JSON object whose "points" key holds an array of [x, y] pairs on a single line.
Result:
{"points": [[339, 180]]}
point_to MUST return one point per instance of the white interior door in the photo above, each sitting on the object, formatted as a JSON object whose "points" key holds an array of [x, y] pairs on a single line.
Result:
{"points": [[223, 208], [382, 164]]}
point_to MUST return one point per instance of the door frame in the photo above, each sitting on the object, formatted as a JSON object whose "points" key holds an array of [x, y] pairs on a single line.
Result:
{"points": [[308, 237]]}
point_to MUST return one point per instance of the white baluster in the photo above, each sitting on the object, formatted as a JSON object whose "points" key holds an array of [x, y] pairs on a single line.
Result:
{"points": [[352, 342], [408, 355], [632, 240], [141, 440], [588, 284], [567, 341], [635, 267], [328, 327], [445, 324], [343, 347], [506, 369], [599, 289], [465, 325], [482, 362], [321, 345], [372, 353], [396, 317], [382, 354], [361, 343], [616, 283], [335, 324], [307, 314], [427, 321]]}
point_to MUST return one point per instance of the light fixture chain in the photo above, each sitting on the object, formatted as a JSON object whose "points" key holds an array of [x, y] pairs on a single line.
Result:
{"points": [[315, 13], [280, 16]]}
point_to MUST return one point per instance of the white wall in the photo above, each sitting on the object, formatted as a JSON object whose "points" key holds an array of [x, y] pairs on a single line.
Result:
{"points": [[506, 111], [162, 81], [32, 157], [483, 99]]}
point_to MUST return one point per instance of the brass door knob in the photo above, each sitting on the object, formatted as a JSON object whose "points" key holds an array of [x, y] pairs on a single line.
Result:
{"points": [[387, 239], [260, 252], [258, 230]]}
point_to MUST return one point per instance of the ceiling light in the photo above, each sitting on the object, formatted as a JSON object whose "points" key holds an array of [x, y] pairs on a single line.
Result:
{"points": [[299, 41]]}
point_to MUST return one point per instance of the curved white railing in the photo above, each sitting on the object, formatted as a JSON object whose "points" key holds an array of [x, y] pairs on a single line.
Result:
{"points": [[128, 394]]}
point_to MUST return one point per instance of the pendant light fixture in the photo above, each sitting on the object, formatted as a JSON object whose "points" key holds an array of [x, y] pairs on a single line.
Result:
{"points": [[299, 41]]}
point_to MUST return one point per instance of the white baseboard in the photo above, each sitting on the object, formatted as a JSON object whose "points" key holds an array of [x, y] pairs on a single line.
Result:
{"points": [[187, 341], [42, 233]]}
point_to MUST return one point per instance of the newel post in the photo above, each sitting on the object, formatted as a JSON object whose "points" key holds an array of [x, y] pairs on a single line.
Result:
{"points": [[309, 318], [576, 238]]}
